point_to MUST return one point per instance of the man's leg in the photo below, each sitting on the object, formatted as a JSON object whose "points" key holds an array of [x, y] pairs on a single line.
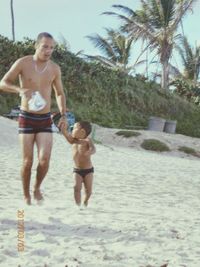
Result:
{"points": [[88, 181], [44, 146], [27, 144], [77, 188]]}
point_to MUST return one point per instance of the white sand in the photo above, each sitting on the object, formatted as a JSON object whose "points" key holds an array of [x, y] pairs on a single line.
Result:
{"points": [[145, 208]]}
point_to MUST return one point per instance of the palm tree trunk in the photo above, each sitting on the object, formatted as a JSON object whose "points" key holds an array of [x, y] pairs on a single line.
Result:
{"points": [[13, 19], [165, 75]]}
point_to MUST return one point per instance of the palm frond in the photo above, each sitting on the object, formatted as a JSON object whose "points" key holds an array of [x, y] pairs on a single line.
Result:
{"points": [[116, 47], [191, 59], [182, 8], [102, 44], [126, 10], [105, 61], [174, 71], [119, 16]]}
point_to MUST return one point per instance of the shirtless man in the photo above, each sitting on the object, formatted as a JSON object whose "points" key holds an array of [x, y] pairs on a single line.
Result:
{"points": [[83, 148], [36, 73]]}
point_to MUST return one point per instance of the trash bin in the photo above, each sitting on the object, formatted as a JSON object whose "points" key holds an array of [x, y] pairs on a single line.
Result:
{"points": [[170, 126], [156, 124]]}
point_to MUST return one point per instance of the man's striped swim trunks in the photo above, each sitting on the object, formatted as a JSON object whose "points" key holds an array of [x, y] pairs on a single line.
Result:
{"points": [[30, 123]]}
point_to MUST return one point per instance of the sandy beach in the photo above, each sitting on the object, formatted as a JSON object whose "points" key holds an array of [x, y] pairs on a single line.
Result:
{"points": [[144, 211]]}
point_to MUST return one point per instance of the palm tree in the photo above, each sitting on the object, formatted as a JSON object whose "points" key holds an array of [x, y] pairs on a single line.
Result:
{"points": [[116, 48], [156, 23], [186, 82], [191, 60], [12, 19]]}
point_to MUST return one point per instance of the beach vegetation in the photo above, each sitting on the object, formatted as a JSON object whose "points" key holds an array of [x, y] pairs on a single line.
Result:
{"points": [[116, 50], [190, 57], [186, 82], [155, 145], [104, 96], [156, 23], [187, 150], [128, 134]]}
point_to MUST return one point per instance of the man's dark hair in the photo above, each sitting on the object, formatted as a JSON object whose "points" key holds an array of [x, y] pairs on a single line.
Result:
{"points": [[43, 34], [86, 126]]}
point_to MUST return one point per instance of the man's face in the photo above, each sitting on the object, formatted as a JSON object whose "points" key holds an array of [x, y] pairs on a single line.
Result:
{"points": [[44, 48]]}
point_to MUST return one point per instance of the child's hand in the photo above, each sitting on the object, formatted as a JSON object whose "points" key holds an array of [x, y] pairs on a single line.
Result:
{"points": [[87, 153], [63, 128], [91, 148]]}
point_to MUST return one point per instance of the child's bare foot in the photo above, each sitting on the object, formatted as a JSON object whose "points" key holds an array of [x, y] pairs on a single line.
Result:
{"points": [[38, 195], [27, 200], [85, 203]]}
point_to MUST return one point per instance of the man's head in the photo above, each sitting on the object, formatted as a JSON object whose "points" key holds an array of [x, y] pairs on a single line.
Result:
{"points": [[81, 129], [44, 46]]}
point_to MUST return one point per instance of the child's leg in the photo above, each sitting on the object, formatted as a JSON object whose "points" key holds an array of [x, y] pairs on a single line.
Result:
{"points": [[88, 181], [77, 188]]}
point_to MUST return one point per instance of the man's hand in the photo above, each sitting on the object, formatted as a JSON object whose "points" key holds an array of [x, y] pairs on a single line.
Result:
{"points": [[62, 122], [27, 93]]}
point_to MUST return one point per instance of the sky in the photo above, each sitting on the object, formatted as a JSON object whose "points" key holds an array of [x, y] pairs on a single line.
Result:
{"points": [[74, 20]]}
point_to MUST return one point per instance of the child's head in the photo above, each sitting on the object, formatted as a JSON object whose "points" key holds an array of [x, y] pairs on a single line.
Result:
{"points": [[81, 129]]}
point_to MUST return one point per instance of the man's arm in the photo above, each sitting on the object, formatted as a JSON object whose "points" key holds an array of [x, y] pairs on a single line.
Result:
{"points": [[7, 82], [59, 92], [60, 96]]}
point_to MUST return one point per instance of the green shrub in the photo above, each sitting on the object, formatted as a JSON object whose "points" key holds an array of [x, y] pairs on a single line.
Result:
{"points": [[104, 96], [155, 145], [128, 134], [187, 150]]}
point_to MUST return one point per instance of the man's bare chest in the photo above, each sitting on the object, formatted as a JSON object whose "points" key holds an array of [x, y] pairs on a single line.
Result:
{"points": [[32, 79]]}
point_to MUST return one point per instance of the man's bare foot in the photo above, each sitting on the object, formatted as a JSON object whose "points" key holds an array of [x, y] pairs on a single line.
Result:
{"points": [[27, 200], [38, 195]]}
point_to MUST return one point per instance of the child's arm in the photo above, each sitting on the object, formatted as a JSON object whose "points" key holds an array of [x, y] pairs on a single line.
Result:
{"points": [[67, 135], [91, 150], [71, 139]]}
